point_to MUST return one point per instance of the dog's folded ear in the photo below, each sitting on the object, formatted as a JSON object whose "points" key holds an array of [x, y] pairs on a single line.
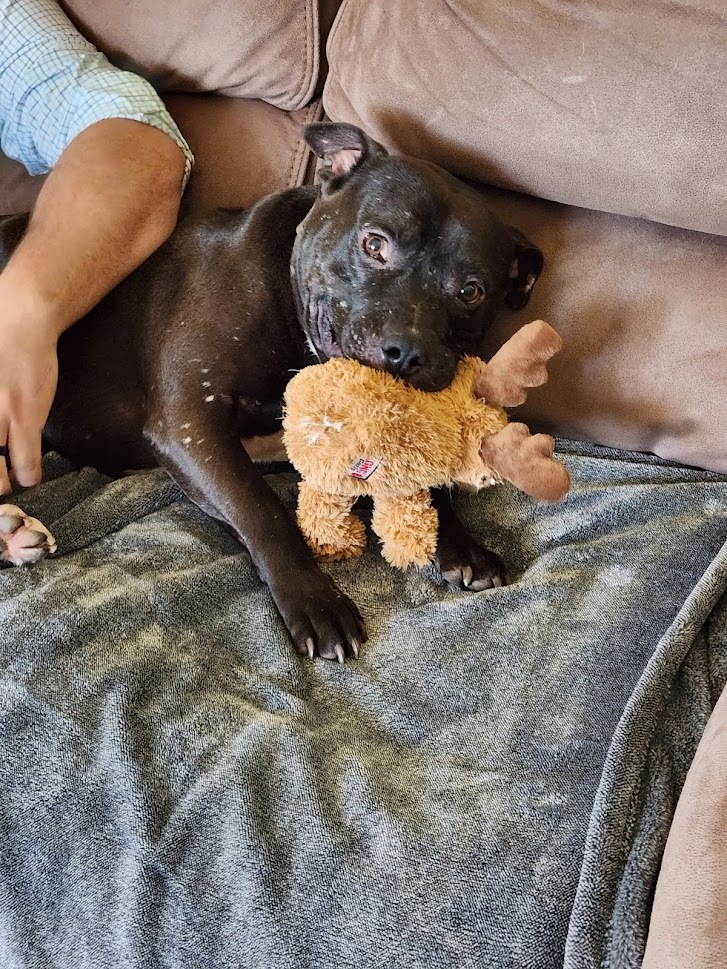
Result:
{"points": [[342, 148], [526, 265]]}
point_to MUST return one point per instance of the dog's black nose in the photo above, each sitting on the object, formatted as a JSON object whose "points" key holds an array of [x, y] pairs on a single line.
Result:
{"points": [[402, 357]]}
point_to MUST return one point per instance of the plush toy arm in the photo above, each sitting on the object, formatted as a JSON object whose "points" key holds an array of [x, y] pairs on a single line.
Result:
{"points": [[517, 365]]}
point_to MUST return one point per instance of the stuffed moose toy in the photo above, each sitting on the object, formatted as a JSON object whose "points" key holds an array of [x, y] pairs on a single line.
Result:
{"points": [[350, 430]]}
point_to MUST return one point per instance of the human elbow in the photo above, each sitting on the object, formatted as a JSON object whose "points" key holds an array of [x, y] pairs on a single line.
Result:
{"points": [[165, 185]]}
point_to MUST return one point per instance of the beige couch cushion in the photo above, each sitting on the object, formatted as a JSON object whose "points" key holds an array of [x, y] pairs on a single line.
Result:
{"points": [[18, 189], [243, 150], [610, 104], [266, 49], [689, 920], [642, 309]]}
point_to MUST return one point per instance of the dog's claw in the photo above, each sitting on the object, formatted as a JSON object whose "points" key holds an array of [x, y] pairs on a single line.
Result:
{"points": [[311, 647], [467, 575], [355, 646], [340, 655]]}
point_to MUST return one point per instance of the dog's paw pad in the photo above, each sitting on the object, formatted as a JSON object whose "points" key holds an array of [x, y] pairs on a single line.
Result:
{"points": [[23, 540]]}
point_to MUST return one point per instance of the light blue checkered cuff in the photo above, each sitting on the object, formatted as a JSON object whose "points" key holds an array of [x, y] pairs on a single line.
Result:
{"points": [[128, 96], [54, 84], [67, 93]]}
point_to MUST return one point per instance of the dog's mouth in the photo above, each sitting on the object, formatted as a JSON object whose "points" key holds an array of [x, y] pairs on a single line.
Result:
{"points": [[329, 337], [322, 329]]}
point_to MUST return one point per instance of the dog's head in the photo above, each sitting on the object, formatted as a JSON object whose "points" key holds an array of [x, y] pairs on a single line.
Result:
{"points": [[399, 265]]}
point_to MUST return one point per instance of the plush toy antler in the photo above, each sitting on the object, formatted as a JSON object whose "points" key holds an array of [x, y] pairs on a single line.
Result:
{"points": [[515, 456], [518, 365]]}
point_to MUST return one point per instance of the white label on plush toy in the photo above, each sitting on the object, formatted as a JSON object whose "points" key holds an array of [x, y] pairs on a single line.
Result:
{"points": [[364, 468]]}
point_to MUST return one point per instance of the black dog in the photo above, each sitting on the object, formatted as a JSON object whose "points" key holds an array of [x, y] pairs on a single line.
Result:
{"points": [[391, 261]]}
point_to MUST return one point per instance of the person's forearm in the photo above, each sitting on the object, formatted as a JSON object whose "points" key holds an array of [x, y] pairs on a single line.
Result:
{"points": [[111, 200]]}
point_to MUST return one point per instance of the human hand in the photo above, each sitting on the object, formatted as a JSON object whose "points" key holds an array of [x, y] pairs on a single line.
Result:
{"points": [[110, 201], [28, 380]]}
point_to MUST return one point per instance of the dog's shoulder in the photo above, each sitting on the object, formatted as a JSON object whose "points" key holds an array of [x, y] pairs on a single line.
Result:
{"points": [[273, 213]]}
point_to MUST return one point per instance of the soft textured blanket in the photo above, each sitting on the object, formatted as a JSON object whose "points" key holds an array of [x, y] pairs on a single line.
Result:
{"points": [[179, 789]]}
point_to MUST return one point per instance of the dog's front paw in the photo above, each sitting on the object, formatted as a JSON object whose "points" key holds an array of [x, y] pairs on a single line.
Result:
{"points": [[23, 540], [321, 620], [462, 561]]}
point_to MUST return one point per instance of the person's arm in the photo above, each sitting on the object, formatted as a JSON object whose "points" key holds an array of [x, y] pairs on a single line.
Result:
{"points": [[111, 200], [118, 166]]}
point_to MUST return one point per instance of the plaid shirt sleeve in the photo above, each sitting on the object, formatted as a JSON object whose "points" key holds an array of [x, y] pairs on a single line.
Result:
{"points": [[54, 84]]}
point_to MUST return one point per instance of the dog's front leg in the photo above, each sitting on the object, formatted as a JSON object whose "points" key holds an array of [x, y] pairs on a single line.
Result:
{"points": [[460, 558], [203, 454]]}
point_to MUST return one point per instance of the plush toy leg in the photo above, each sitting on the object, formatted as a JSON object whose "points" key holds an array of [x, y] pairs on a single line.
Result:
{"points": [[408, 529], [328, 526]]}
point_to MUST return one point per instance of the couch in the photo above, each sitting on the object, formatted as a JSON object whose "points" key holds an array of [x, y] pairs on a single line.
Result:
{"points": [[496, 783]]}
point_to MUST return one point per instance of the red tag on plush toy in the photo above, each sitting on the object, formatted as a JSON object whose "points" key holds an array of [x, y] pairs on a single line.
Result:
{"points": [[364, 468]]}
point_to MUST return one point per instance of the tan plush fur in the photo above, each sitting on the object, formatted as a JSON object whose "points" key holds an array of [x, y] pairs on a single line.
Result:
{"points": [[340, 412]]}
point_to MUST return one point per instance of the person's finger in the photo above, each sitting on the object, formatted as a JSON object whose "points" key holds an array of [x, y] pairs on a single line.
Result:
{"points": [[4, 476], [24, 446]]}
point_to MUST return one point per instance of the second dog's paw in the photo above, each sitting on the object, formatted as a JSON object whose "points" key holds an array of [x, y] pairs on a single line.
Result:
{"points": [[23, 540], [464, 562]]}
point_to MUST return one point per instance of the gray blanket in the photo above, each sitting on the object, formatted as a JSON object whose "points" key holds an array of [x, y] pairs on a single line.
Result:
{"points": [[179, 789]]}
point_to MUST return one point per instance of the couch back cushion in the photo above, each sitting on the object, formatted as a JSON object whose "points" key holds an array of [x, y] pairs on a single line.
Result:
{"points": [[614, 105], [243, 149], [641, 308], [267, 49]]}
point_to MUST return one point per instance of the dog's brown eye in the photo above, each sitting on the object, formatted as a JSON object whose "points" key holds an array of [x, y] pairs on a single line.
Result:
{"points": [[376, 246], [472, 293]]}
